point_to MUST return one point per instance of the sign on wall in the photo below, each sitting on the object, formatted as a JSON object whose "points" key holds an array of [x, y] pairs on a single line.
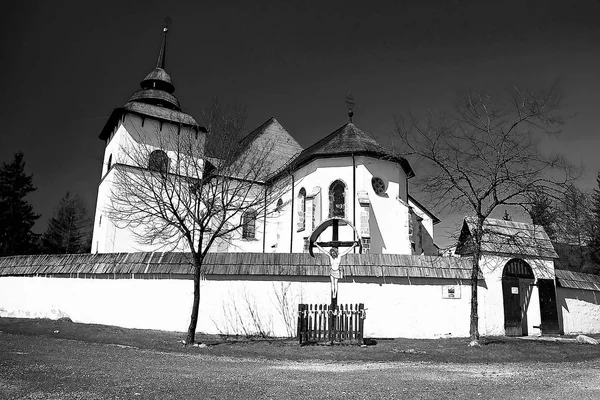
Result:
{"points": [[450, 292]]}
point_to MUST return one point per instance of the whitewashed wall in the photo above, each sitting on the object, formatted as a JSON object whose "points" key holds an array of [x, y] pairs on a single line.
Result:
{"points": [[579, 310], [132, 132], [395, 308]]}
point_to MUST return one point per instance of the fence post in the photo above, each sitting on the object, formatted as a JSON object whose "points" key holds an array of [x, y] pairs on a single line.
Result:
{"points": [[299, 327], [361, 322]]}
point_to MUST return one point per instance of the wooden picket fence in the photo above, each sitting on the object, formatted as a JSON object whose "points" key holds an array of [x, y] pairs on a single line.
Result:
{"points": [[318, 323]]}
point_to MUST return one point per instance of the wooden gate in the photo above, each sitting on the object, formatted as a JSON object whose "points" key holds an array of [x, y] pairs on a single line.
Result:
{"points": [[513, 312], [319, 323], [517, 278], [548, 308]]}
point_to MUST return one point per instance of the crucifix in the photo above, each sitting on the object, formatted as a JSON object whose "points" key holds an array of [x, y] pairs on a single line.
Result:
{"points": [[334, 254]]}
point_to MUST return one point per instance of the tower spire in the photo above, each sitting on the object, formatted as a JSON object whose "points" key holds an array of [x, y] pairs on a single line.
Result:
{"points": [[162, 54], [350, 105]]}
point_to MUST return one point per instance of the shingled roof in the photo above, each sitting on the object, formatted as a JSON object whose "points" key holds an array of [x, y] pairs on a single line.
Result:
{"points": [[349, 140], [507, 237], [577, 280], [271, 133], [154, 99], [267, 264]]}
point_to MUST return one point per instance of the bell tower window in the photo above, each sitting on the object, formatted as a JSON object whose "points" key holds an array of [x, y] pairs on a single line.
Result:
{"points": [[158, 161]]}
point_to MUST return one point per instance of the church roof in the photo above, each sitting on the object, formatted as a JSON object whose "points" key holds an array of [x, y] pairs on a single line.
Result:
{"points": [[507, 237], [155, 99], [349, 140], [272, 133]]}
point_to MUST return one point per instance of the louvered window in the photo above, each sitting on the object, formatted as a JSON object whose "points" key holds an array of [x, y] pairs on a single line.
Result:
{"points": [[158, 161]]}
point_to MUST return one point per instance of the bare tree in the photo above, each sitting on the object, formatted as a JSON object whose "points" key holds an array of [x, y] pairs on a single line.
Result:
{"points": [[485, 154], [180, 193]]}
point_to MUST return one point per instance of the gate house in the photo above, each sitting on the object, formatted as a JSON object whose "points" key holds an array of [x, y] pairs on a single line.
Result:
{"points": [[517, 263]]}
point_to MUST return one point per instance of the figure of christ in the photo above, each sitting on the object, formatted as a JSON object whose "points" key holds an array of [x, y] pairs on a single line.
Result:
{"points": [[335, 273]]}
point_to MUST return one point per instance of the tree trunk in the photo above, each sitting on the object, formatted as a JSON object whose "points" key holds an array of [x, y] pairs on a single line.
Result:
{"points": [[474, 328], [191, 334], [477, 238]]}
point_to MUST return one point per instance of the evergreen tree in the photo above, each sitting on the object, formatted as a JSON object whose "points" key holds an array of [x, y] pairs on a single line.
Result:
{"points": [[543, 214], [594, 226], [16, 214], [573, 221], [69, 230]]}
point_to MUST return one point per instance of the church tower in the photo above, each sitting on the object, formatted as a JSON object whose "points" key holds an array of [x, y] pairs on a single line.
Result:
{"points": [[146, 121]]}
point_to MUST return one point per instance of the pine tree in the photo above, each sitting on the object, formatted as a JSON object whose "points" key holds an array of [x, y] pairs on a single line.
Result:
{"points": [[543, 214], [69, 229], [573, 221], [16, 214], [594, 226]]}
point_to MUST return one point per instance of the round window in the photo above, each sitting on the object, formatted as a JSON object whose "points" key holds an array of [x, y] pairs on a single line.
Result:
{"points": [[378, 186]]}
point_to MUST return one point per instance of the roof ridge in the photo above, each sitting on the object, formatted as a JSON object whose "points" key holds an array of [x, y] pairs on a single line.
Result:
{"points": [[258, 129]]}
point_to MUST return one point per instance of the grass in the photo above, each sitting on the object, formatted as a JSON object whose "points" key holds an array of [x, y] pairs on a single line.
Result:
{"points": [[493, 349]]}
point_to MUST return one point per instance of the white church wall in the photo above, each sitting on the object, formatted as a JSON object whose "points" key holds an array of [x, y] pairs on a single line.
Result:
{"points": [[388, 213], [395, 307], [321, 173], [278, 224], [579, 310], [425, 242], [131, 143]]}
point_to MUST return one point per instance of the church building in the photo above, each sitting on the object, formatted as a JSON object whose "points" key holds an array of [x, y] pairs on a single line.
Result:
{"points": [[346, 174], [255, 281]]}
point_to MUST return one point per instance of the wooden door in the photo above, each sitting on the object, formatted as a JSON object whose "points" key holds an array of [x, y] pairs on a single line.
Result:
{"points": [[513, 322], [548, 309]]}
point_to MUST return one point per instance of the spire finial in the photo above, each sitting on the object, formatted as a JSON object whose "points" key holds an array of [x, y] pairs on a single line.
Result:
{"points": [[162, 55], [350, 104]]}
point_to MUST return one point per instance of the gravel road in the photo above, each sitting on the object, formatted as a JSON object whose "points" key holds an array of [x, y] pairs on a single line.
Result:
{"points": [[34, 367]]}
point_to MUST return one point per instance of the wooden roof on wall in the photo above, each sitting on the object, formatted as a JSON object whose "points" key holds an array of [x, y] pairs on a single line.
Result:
{"points": [[577, 280], [268, 264]]}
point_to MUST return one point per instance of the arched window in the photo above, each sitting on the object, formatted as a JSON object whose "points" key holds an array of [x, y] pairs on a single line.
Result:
{"points": [[279, 207], [158, 161], [301, 209], [249, 224], [109, 163], [337, 199]]}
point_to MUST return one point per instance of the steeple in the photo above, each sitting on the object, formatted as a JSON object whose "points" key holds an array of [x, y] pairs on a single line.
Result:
{"points": [[157, 88], [163, 49]]}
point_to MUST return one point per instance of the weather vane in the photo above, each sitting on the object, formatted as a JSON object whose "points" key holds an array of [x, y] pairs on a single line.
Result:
{"points": [[350, 104]]}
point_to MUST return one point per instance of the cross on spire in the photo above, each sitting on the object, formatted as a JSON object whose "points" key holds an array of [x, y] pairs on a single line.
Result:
{"points": [[350, 104], [162, 55]]}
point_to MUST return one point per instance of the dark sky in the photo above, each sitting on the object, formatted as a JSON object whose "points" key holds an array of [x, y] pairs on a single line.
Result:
{"points": [[66, 65]]}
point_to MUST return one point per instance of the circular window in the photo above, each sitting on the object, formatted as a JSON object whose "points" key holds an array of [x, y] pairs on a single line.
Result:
{"points": [[378, 186]]}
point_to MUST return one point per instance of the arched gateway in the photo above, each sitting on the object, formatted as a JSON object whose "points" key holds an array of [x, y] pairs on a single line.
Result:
{"points": [[517, 280]]}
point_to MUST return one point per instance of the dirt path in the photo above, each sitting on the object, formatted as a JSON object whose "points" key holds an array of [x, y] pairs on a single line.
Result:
{"points": [[33, 367]]}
